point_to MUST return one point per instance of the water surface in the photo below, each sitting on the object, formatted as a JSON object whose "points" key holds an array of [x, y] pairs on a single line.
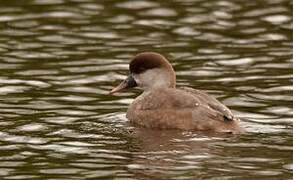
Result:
{"points": [[60, 58]]}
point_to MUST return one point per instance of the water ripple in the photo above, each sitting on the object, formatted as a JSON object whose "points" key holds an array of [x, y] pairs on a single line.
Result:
{"points": [[60, 59]]}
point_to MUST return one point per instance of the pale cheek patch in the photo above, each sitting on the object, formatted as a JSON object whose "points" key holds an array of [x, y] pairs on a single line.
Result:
{"points": [[152, 78]]}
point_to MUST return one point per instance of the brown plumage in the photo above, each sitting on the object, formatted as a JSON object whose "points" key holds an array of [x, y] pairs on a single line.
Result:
{"points": [[162, 106]]}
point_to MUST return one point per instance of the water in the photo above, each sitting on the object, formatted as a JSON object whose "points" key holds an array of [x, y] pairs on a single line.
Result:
{"points": [[59, 59]]}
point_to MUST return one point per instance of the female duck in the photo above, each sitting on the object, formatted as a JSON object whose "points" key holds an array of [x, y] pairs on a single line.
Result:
{"points": [[164, 106]]}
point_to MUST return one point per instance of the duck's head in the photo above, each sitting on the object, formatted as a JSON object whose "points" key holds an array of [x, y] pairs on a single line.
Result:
{"points": [[148, 70]]}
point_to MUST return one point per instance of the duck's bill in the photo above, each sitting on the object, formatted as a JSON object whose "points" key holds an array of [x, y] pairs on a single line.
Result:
{"points": [[129, 82]]}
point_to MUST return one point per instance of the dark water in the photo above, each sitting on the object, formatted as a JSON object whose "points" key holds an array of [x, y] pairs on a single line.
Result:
{"points": [[60, 58]]}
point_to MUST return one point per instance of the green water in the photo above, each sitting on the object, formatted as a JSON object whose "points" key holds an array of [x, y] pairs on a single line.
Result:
{"points": [[59, 59]]}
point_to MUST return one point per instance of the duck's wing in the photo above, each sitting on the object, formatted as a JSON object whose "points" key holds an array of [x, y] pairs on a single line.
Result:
{"points": [[167, 98], [211, 102], [181, 109], [164, 109]]}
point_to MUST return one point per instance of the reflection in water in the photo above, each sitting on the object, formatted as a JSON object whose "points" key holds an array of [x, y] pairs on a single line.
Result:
{"points": [[60, 58], [164, 153]]}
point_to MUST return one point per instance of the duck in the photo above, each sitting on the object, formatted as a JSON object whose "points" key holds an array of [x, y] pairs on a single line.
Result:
{"points": [[162, 105]]}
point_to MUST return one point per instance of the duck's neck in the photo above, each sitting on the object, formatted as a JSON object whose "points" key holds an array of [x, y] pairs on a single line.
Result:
{"points": [[161, 80]]}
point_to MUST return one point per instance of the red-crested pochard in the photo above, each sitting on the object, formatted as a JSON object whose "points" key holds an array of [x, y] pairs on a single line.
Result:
{"points": [[163, 106]]}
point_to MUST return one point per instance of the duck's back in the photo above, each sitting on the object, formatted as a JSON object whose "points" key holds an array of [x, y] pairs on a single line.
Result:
{"points": [[184, 108]]}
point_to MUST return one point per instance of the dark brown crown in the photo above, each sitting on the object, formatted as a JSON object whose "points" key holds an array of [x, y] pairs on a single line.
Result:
{"points": [[145, 61]]}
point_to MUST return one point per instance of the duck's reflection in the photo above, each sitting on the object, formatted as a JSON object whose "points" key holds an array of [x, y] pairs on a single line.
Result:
{"points": [[164, 153], [170, 140]]}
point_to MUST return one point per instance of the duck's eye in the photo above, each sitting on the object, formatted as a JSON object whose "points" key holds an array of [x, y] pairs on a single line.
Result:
{"points": [[141, 69]]}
